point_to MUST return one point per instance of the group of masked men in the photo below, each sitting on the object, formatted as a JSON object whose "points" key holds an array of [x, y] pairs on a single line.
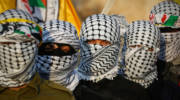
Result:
{"points": [[111, 60]]}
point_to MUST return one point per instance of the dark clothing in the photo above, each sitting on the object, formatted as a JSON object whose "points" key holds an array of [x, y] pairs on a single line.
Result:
{"points": [[164, 90], [165, 73], [166, 87], [117, 89], [37, 89]]}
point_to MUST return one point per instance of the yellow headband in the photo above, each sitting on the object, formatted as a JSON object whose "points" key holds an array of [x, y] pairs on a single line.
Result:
{"points": [[18, 20]]}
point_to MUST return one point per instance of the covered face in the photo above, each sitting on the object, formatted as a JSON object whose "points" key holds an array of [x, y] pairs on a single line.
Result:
{"points": [[123, 28], [58, 53], [143, 41], [99, 48], [18, 47], [166, 15]]}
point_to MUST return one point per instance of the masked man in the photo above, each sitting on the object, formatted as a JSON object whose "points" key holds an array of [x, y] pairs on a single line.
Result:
{"points": [[58, 54], [99, 51], [166, 15], [143, 41], [18, 48]]}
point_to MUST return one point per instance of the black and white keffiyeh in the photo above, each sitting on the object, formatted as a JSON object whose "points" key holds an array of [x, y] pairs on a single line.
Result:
{"points": [[169, 46], [60, 32], [142, 37], [60, 69], [122, 23], [167, 7], [18, 48], [16, 14], [98, 62], [168, 13], [123, 28]]}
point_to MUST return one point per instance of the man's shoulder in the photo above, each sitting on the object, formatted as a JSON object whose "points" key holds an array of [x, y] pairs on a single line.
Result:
{"points": [[53, 85], [48, 90]]}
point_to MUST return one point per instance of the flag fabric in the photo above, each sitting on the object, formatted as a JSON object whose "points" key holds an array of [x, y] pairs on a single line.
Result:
{"points": [[45, 10], [68, 13], [38, 3], [171, 21], [7, 4], [165, 20]]}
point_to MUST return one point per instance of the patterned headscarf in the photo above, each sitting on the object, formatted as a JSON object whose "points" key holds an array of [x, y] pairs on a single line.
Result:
{"points": [[18, 47], [55, 68], [167, 14], [123, 28], [140, 61], [98, 62], [122, 23]]}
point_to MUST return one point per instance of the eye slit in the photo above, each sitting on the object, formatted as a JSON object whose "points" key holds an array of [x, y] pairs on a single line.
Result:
{"points": [[50, 46], [91, 41], [56, 49], [105, 43], [169, 30], [7, 43], [47, 47], [150, 49], [65, 48], [99, 42], [134, 46]]}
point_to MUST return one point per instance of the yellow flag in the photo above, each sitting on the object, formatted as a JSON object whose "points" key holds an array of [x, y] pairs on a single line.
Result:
{"points": [[177, 1], [7, 4], [68, 13]]}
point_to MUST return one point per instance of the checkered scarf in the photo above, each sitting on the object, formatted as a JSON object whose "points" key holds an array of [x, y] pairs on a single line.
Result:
{"points": [[166, 13], [17, 56], [162, 14], [55, 68], [170, 48], [98, 62], [141, 63], [122, 23], [123, 28]]}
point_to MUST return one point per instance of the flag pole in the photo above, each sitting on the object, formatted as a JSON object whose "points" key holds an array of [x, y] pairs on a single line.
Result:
{"points": [[108, 6]]}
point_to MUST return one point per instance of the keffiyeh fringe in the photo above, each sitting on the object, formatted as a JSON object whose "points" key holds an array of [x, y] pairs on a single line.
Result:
{"points": [[147, 81], [109, 75]]}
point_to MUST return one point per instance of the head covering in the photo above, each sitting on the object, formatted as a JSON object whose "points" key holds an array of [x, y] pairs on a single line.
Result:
{"points": [[55, 68], [123, 28], [98, 62], [167, 14], [122, 23], [140, 62], [18, 47]]}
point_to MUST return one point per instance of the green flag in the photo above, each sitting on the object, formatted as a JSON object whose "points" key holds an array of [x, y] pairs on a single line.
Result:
{"points": [[171, 21], [37, 3]]}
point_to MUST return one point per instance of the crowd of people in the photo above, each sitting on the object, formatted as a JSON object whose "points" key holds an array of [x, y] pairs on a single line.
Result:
{"points": [[111, 60]]}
